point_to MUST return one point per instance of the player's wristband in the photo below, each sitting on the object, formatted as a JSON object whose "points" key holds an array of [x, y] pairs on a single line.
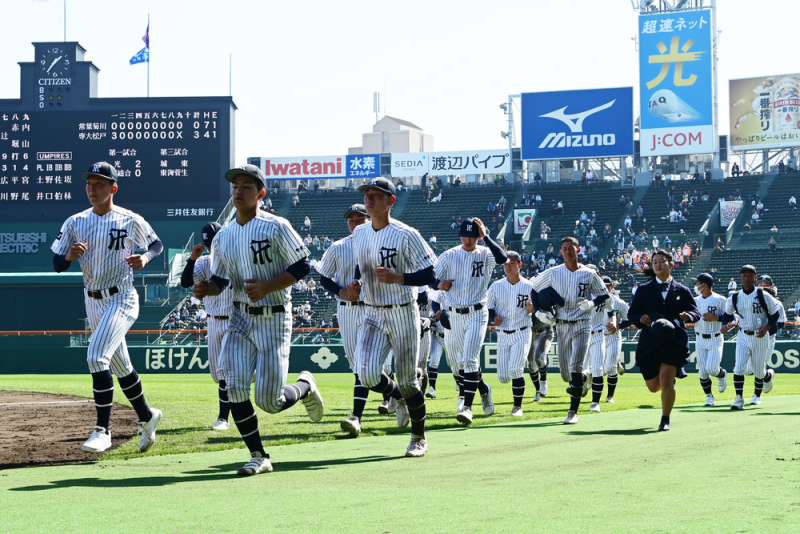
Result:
{"points": [[419, 278], [155, 248], [60, 263]]}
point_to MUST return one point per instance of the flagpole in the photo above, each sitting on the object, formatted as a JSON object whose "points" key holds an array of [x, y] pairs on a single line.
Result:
{"points": [[148, 55], [230, 74], [65, 21]]}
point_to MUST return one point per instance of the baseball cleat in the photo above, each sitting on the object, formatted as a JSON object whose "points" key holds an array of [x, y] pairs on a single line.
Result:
{"points": [[383, 408], [611, 400], [148, 429], [423, 380], [313, 402], [572, 418], [738, 403], [257, 464], [537, 397], [769, 385], [465, 416], [709, 400], [418, 447], [587, 383], [351, 425], [221, 424], [620, 369], [663, 427], [460, 404], [487, 402], [516, 411], [722, 383], [391, 407], [403, 417], [755, 401], [431, 394], [594, 407], [99, 441], [543, 388]]}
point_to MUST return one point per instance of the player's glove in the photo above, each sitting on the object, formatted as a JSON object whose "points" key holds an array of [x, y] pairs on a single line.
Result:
{"points": [[586, 305], [444, 319], [424, 324], [546, 318]]}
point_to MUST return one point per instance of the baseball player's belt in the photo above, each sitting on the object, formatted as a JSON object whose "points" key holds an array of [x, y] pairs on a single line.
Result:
{"points": [[596, 331], [220, 317], [512, 331], [103, 293], [348, 303], [440, 335], [258, 310], [467, 309], [749, 332], [709, 336], [388, 306], [576, 321]]}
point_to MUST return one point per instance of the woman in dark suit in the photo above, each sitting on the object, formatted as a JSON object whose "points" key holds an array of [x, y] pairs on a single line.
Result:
{"points": [[661, 308]]}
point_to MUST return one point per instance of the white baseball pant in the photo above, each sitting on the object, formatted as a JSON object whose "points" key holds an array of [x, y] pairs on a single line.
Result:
{"points": [[217, 328], [350, 320], [110, 319], [541, 341], [573, 346], [437, 345], [753, 350], [709, 355], [597, 353], [613, 350], [512, 351], [467, 333]]}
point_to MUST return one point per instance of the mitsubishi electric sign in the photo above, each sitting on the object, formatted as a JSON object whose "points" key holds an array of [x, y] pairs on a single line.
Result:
{"points": [[591, 123]]}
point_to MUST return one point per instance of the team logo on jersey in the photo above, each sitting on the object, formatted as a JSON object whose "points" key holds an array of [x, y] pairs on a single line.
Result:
{"points": [[757, 307], [521, 300], [583, 289], [477, 268], [387, 256], [59, 235], [712, 309], [260, 250], [117, 238]]}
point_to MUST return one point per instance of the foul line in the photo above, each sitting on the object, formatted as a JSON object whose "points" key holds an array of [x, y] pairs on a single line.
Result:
{"points": [[51, 402]]}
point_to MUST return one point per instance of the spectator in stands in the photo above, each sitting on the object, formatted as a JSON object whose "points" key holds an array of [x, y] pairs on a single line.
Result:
{"points": [[267, 204], [760, 207], [315, 242], [313, 262], [307, 224], [543, 236], [538, 199], [432, 239], [755, 219], [350, 184], [501, 220], [793, 202], [326, 242], [720, 245], [684, 220], [316, 187], [735, 170], [584, 217], [454, 224], [623, 200], [437, 198], [746, 227], [732, 286], [400, 185], [491, 207], [307, 241], [797, 308], [774, 228], [312, 285], [501, 204], [589, 177], [772, 244], [667, 242], [696, 175], [560, 208], [781, 167], [295, 200], [628, 221], [537, 180]]}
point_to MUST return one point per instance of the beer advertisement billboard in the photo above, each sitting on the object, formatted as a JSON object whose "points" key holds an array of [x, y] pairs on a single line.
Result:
{"points": [[765, 112], [675, 83]]}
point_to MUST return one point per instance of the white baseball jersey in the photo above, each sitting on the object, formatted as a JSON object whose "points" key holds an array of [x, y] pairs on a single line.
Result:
{"points": [[109, 239], [714, 303], [574, 287], [397, 247], [600, 317], [751, 315], [215, 305], [781, 312], [508, 301], [471, 273], [338, 263], [621, 309], [262, 249]]}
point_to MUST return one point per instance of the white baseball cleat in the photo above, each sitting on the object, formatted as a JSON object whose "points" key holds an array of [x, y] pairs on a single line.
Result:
{"points": [[572, 418], [221, 424], [465, 416], [257, 464], [594, 407], [738, 403], [771, 384], [431, 394], [383, 408], [709, 400], [516, 411], [487, 402], [722, 383], [392, 406], [755, 401], [620, 369], [460, 404], [611, 400], [537, 397], [148, 430], [351, 425], [543, 388], [418, 447], [99, 441], [402, 415], [313, 403]]}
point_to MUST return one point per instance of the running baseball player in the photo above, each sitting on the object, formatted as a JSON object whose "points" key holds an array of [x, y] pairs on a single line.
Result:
{"points": [[510, 311], [437, 341], [708, 339], [391, 258], [337, 269], [582, 290], [765, 283], [218, 309], [103, 239], [603, 321], [541, 340], [260, 256], [757, 312], [465, 272], [613, 340]]}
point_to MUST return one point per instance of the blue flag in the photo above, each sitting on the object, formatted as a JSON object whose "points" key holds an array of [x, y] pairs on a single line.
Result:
{"points": [[142, 56]]}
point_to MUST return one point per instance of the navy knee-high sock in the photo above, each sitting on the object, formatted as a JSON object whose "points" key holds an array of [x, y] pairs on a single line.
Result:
{"points": [[360, 394], [416, 411], [132, 387], [224, 404], [518, 390], [543, 373], [612, 384], [705, 383], [738, 384], [295, 392], [433, 375], [103, 388], [470, 387], [759, 383], [388, 388], [483, 389], [535, 378], [386, 397], [460, 383], [576, 387], [597, 388], [244, 415]]}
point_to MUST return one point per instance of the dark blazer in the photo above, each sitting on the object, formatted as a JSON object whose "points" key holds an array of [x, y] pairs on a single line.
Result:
{"points": [[648, 301]]}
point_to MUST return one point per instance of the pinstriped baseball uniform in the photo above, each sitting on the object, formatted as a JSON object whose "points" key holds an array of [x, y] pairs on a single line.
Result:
{"points": [[471, 273], [425, 340], [751, 318], [437, 332], [339, 264], [400, 248], [109, 239], [614, 341], [541, 341], [573, 336], [772, 338], [709, 349], [262, 249], [514, 333], [597, 341], [219, 309]]}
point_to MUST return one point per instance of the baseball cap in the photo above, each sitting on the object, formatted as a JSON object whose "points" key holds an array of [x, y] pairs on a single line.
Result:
{"points": [[355, 208], [209, 231], [103, 170], [469, 228], [607, 281], [765, 278], [249, 170], [381, 184], [705, 278], [512, 255], [748, 268]]}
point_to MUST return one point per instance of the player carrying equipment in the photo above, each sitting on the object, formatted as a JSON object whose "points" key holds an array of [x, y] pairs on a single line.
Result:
{"points": [[612, 366], [708, 339], [604, 321]]}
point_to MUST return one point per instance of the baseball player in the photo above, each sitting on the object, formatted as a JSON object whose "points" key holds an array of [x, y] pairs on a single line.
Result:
{"points": [[581, 290], [260, 256], [465, 272], [708, 339], [337, 269], [218, 308], [510, 311], [603, 321], [765, 283], [437, 341], [613, 340], [757, 312], [103, 239], [391, 258], [541, 341]]}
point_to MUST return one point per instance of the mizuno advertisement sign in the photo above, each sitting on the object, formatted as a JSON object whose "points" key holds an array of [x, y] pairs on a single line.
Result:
{"points": [[591, 123]]}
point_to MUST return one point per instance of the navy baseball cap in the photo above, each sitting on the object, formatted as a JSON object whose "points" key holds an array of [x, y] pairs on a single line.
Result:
{"points": [[607, 281], [356, 208], [512, 255], [248, 170], [705, 278], [103, 170], [469, 228], [209, 231], [748, 269], [381, 184], [765, 278]]}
